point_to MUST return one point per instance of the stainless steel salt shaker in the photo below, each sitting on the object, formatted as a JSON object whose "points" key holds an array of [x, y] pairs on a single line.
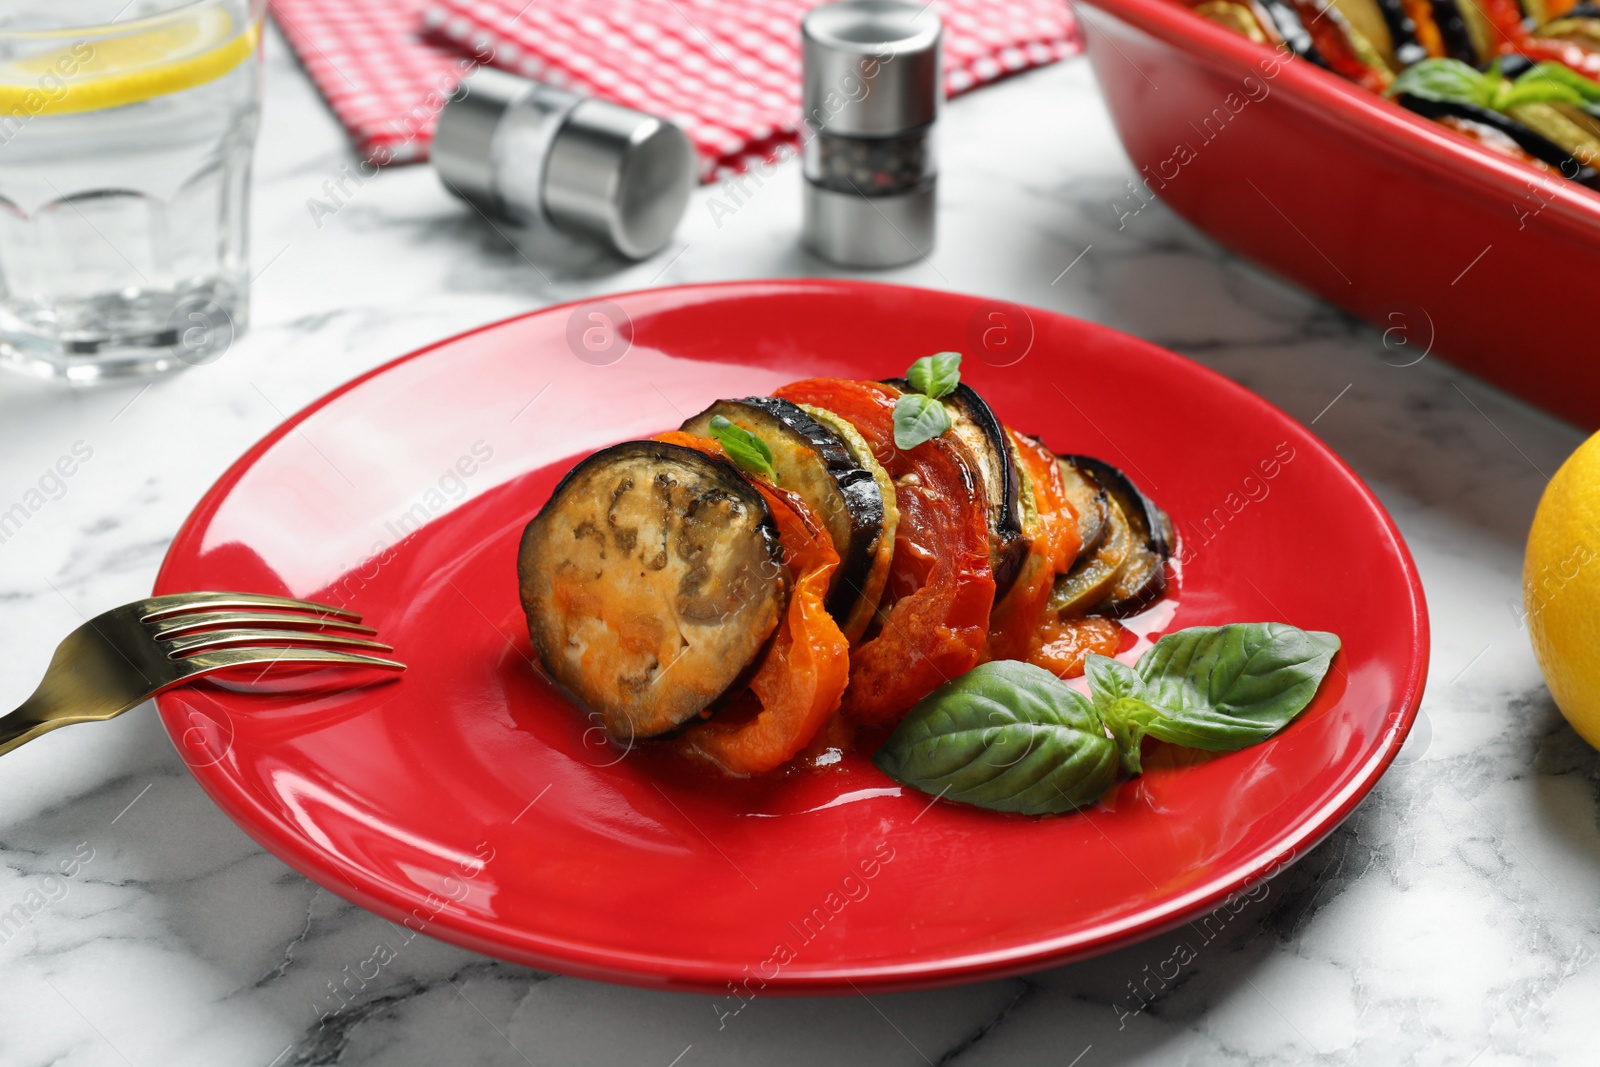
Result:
{"points": [[532, 152], [873, 86]]}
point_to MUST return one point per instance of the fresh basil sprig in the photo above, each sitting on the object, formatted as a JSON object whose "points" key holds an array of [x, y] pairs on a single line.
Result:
{"points": [[918, 414], [1010, 736], [744, 447], [1223, 688], [1453, 81]]}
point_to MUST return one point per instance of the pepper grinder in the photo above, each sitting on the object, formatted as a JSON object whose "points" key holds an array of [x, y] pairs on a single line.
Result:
{"points": [[537, 154], [873, 86]]}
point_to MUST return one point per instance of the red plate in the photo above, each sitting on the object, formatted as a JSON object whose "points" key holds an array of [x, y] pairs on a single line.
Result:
{"points": [[470, 801], [1438, 241]]}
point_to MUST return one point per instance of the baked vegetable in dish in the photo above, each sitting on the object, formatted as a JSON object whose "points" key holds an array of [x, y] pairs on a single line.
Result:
{"points": [[810, 460], [1090, 504], [784, 571], [1141, 577], [1052, 537], [989, 445], [1520, 77], [651, 579], [803, 674], [934, 615]]}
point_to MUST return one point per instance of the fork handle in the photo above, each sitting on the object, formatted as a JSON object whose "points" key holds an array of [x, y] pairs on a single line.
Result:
{"points": [[23, 725]]}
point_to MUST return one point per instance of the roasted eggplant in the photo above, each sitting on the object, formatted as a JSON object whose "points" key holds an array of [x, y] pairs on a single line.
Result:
{"points": [[1454, 36], [1292, 29], [1141, 574], [812, 460], [652, 579], [975, 425], [1405, 46]]}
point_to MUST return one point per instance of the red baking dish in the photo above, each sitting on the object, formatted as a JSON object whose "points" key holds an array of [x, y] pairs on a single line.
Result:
{"points": [[1432, 238]]}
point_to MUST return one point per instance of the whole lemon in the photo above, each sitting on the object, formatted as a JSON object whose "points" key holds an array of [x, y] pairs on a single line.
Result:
{"points": [[1561, 588]]}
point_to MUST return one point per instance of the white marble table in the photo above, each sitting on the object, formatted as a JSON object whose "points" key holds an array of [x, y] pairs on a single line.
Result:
{"points": [[1452, 920]]}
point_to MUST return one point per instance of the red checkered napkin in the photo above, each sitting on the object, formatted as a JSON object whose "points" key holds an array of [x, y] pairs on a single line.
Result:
{"points": [[727, 71], [384, 79]]}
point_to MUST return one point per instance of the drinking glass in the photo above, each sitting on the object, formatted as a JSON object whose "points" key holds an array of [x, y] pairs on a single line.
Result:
{"points": [[126, 128]]}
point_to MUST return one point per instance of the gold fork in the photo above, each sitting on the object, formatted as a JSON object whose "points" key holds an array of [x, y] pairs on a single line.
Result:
{"points": [[118, 660]]}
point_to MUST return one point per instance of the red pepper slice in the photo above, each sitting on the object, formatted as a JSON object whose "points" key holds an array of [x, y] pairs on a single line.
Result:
{"points": [[1015, 622], [1328, 30], [940, 588], [1505, 18], [804, 674], [1420, 12]]}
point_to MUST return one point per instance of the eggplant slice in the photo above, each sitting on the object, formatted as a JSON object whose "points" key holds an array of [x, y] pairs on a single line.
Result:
{"points": [[811, 460], [651, 580], [974, 424], [1141, 575], [870, 591], [1292, 29]]}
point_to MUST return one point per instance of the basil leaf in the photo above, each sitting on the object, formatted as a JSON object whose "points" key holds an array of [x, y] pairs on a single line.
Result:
{"points": [[1007, 736], [918, 418], [744, 447], [1222, 688], [1444, 79], [1560, 74], [1109, 680], [936, 375]]}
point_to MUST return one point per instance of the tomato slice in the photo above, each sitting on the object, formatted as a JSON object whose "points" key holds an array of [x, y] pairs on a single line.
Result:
{"points": [[1505, 18], [1575, 56], [1329, 32], [940, 588], [800, 681], [1015, 622]]}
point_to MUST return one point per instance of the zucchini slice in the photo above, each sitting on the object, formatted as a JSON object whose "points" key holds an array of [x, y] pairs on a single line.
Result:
{"points": [[811, 460], [870, 592], [1236, 17], [1092, 506], [651, 580], [1083, 588], [1367, 19], [1142, 576], [974, 424]]}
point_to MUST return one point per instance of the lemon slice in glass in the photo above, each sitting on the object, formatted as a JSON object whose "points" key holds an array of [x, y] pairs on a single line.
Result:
{"points": [[88, 73]]}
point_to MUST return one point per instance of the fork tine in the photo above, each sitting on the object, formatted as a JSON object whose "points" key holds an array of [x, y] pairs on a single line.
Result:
{"points": [[268, 639], [183, 603], [223, 658], [258, 620]]}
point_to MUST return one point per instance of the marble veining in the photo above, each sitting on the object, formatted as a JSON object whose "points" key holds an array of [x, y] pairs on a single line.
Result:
{"points": [[1451, 920]]}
